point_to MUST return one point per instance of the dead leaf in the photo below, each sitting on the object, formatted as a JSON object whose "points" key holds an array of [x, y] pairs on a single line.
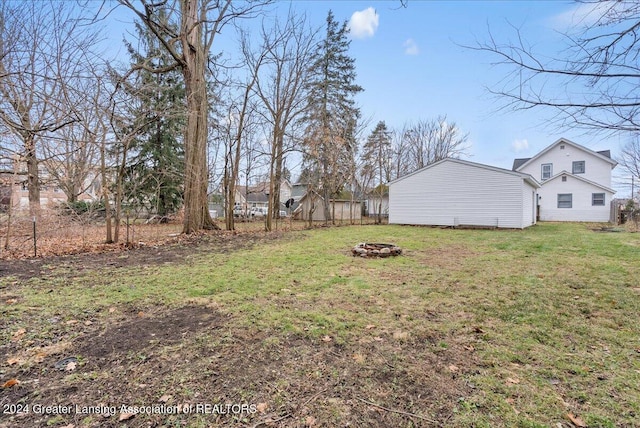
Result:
{"points": [[10, 383], [18, 334], [40, 356], [164, 398], [453, 369], [72, 322], [14, 360], [326, 339], [370, 326], [125, 416], [378, 339], [513, 380], [112, 310], [469, 348], [310, 421], [71, 366], [358, 358], [576, 420], [11, 301], [262, 407], [88, 323]]}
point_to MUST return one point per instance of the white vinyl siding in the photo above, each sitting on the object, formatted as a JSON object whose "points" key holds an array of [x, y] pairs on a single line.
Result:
{"points": [[582, 208], [459, 193], [586, 173]]}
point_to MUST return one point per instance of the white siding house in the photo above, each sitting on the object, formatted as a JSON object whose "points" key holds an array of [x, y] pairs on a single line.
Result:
{"points": [[576, 182], [455, 192], [569, 197]]}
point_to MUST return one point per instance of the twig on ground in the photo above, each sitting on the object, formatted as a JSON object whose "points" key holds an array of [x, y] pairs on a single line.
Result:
{"points": [[265, 422], [400, 412]]}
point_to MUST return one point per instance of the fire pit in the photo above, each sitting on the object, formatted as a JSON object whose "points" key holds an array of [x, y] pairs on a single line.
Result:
{"points": [[365, 249]]}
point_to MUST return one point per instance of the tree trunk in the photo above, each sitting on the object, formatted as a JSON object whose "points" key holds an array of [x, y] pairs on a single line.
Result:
{"points": [[33, 176], [196, 207], [105, 193]]}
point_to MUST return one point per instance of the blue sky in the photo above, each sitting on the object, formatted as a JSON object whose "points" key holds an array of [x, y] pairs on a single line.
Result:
{"points": [[412, 65]]}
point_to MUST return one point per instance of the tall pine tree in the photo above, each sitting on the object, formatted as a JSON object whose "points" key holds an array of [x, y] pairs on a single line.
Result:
{"points": [[333, 115], [156, 167]]}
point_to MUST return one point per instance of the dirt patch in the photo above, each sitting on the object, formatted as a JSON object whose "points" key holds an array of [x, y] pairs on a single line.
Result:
{"points": [[145, 332], [193, 357], [450, 257], [119, 256]]}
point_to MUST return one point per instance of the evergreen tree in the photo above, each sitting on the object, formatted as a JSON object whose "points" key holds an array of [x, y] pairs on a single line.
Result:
{"points": [[156, 167], [333, 115]]}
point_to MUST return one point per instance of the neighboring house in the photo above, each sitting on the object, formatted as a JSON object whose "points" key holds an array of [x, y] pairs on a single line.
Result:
{"points": [[341, 209], [576, 182], [376, 202], [257, 195], [454, 192], [50, 194]]}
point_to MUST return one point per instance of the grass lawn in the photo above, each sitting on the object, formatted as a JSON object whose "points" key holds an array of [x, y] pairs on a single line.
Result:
{"points": [[533, 328]]}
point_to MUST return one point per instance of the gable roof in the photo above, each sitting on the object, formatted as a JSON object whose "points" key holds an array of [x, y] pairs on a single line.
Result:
{"points": [[578, 177], [517, 163], [528, 178], [605, 155]]}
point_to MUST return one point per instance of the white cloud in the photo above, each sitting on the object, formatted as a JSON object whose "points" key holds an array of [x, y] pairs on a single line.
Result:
{"points": [[364, 23], [411, 47], [583, 15], [520, 145]]}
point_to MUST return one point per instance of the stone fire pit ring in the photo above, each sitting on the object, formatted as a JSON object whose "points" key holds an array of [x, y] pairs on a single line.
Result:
{"points": [[366, 249]]}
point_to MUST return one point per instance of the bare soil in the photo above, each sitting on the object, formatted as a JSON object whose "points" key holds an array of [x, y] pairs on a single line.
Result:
{"points": [[194, 363]]}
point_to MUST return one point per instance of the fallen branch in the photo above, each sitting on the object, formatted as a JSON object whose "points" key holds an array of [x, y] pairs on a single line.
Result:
{"points": [[400, 412], [270, 421]]}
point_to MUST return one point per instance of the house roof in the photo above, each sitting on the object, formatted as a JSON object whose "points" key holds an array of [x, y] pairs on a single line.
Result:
{"points": [[376, 190], [605, 155], [528, 178], [517, 163], [578, 177], [298, 190], [338, 198]]}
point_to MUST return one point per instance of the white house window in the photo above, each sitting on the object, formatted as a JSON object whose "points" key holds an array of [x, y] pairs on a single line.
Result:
{"points": [[597, 199], [547, 170], [562, 147], [565, 200], [578, 167], [564, 178]]}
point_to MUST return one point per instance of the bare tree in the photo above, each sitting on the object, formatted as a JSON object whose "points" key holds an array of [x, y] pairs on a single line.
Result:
{"points": [[400, 155], [45, 47], [377, 163], [71, 155], [429, 141], [286, 52], [198, 23], [238, 125], [591, 83], [630, 159]]}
